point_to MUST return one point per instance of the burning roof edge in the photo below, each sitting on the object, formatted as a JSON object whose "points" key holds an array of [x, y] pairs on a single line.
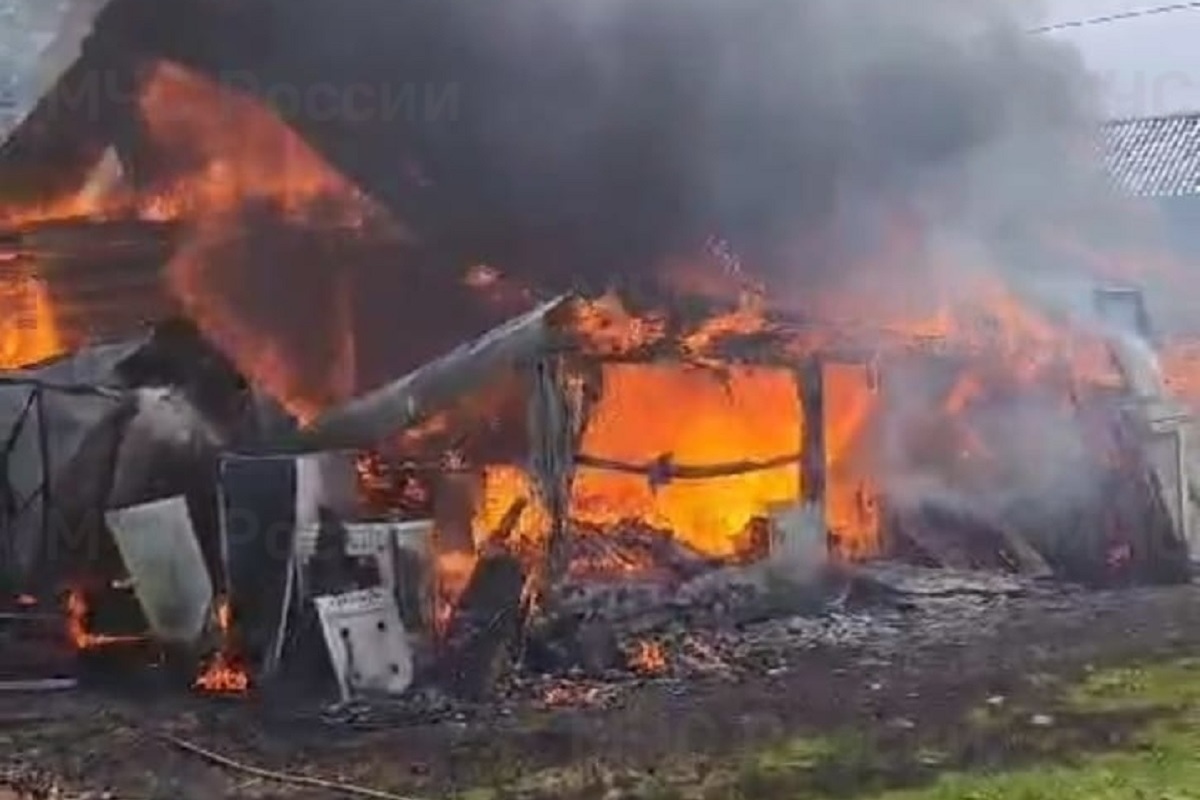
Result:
{"points": [[370, 418]]}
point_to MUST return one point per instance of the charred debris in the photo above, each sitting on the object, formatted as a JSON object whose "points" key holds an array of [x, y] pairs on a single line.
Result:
{"points": [[462, 523], [600, 477]]}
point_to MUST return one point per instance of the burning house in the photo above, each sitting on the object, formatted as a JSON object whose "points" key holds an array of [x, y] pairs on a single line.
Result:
{"points": [[723, 339]]}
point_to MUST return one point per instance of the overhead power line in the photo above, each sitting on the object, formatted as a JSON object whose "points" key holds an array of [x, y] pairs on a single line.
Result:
{"points": [[1119, 16]]}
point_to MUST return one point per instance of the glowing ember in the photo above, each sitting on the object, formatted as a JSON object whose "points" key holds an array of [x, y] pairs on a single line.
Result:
{"points": [[576, 695], [648, 658], [611, 329], [224, 673], [748, 318]]}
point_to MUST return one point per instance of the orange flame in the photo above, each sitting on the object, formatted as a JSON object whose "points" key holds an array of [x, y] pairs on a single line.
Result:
{"points": [[648, 658], [1180, 361], [454, 572], [503, 485], [241, 155], [611, 329], [749, 317], [224, 673], [697, 418], [851, 490], [236, 150], [28, 326], [81, 638]]}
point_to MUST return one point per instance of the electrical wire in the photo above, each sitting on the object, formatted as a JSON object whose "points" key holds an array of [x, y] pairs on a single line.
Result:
{"points": [[1120, 16]]}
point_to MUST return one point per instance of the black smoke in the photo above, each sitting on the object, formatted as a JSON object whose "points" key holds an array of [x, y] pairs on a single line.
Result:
{"points": [[590, 139]]}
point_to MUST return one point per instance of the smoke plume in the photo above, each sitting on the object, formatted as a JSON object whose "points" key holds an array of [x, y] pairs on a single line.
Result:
{"points": [[594, 138], [899, 154]]}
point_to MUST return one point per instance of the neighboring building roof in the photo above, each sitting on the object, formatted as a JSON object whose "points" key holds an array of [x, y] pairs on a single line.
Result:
{"points": [[1154, 157]]}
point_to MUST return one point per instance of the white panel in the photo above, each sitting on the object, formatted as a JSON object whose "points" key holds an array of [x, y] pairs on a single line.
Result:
{"points": [[375, 540], [799, 549], [368, 646], [325, 480], [170, 579]]}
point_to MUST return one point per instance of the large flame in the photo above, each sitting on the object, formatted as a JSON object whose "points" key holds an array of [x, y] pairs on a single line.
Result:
{"points": [[696, 418], [218, 153], [235, 154], [662, 432], [670, 426], [851, 490], [28, 327]]}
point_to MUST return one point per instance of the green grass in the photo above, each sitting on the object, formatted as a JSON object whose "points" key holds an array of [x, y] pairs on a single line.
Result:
{"points": [[1170, 686], [1159, 761], [1163, 766], [1122, 733]]}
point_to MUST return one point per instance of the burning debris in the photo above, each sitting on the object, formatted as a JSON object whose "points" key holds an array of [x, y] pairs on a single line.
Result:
{"points": [[95, 440], [736, 432], [440, 529], [224, 673]]}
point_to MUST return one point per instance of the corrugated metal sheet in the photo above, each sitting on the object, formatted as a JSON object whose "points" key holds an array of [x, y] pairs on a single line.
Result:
{"points": [[1154, 157]]}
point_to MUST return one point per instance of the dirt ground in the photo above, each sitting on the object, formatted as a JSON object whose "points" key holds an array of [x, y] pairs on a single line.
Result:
{"points": [[905, 689]]}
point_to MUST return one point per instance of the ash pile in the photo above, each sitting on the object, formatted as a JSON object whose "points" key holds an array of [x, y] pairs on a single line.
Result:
{"points": [[483, 527]]}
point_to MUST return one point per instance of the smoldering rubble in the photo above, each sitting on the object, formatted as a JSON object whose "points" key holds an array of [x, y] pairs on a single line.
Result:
{"points": [[912, 157]]}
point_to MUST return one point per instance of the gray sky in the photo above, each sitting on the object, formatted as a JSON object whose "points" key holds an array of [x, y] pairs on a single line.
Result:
{"points": [[1148, 66]]}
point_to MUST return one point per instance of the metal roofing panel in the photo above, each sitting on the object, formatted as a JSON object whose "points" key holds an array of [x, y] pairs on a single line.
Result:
{"points": [[1155, 157]]}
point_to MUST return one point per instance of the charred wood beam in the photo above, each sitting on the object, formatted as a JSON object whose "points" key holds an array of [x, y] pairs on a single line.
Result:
{"points": [[663, 470], [96, 242], [811, 385], [958, 538], [772, 355], [508, 523], [485, 628], [553, 442]]}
